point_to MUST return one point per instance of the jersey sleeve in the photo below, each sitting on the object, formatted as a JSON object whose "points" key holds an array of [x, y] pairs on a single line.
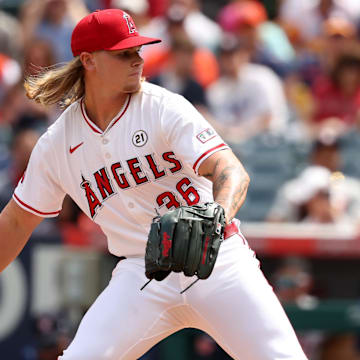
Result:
{"points": [[39, 190], [188, 133]]}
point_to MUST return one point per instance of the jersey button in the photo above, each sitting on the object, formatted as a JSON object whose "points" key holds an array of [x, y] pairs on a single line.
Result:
{"points": [[107, 155], [105, 141]]}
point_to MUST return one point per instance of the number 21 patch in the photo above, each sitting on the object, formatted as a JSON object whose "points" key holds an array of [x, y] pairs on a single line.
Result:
{"points": [[140, 138], [206, 135]]}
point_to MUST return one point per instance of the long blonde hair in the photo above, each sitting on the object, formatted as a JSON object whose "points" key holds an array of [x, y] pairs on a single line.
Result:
{"points": [[61, 85]]}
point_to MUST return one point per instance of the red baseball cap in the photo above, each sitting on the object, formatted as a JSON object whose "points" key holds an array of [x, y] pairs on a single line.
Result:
{"points": [[110, 29]]}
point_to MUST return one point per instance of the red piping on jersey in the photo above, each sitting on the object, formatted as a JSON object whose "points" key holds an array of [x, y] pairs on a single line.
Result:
{"points": [[89, 123], [37, 211], [205, 153], [83, 114]]}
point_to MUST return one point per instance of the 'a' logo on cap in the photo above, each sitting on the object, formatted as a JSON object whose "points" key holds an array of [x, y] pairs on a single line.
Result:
{"points": [[130, 23]]}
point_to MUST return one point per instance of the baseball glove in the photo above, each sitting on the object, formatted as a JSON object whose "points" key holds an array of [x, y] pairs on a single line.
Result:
{"points": [[186, 240]]}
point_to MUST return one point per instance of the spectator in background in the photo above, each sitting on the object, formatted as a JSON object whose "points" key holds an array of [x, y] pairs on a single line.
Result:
{"points": [[11, 37], [269, 43], [340, 346], [158, 7], [38, 54], [337, 97], [203, 31], [178, 77], [318, 57], [247, 99], [310, 89], [205, 348], [316, 205], [15, 109], [203, 62], [293, 283], [321, 193], [77, 229], [52, 20], [242, 18], [339, 38], [308, 16], [53, 333], [10, 74], [21, 147], [309, 195], [138, 10]]}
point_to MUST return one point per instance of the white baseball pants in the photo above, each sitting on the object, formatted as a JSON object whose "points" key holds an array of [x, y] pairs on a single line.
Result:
{"points": [[235, 305]]}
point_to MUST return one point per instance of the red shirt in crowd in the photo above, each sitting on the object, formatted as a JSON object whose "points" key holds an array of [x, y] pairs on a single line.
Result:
{"points": [[330, 101]]}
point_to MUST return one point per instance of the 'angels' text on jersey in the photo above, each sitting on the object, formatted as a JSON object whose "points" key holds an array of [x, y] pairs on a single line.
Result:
{"points": [[103, 179]]}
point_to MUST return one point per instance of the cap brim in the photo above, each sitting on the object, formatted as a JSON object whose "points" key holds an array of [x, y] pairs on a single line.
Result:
{"points": [[133, 41]]}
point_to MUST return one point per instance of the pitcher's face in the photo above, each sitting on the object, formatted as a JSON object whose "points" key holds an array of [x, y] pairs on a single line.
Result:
{"points": [[119, 70]]}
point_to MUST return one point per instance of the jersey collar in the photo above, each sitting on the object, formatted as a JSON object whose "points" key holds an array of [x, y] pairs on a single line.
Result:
{"points": [[94, 127]]}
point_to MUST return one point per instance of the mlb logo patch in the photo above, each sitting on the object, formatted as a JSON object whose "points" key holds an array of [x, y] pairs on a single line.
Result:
{"points": [[206, 135]]}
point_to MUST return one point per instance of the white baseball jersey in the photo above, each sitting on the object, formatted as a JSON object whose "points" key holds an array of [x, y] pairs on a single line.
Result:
{"points": [[146, 159]]}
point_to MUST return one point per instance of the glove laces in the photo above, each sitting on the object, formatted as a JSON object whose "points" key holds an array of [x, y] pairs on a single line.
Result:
{"points": [[181, 292], [143, 287]]}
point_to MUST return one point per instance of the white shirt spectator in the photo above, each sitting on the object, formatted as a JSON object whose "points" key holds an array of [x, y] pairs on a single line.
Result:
{"points": [[256, 92], [202, 31], [308, 20], [344, 194]]}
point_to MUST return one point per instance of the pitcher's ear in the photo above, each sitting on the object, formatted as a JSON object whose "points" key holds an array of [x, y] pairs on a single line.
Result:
{"points": [[87, 59]]}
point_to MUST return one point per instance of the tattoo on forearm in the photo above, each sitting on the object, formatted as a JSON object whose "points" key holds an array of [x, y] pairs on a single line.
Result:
{"points": [[229, 189], [238, 195], [221, 179]]}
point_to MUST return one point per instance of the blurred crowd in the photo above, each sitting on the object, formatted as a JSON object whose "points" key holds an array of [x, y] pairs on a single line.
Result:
{"points": [[278, 79]]}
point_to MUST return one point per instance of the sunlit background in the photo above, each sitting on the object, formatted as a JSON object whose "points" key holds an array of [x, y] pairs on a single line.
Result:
{"points": [[280, 81]]}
